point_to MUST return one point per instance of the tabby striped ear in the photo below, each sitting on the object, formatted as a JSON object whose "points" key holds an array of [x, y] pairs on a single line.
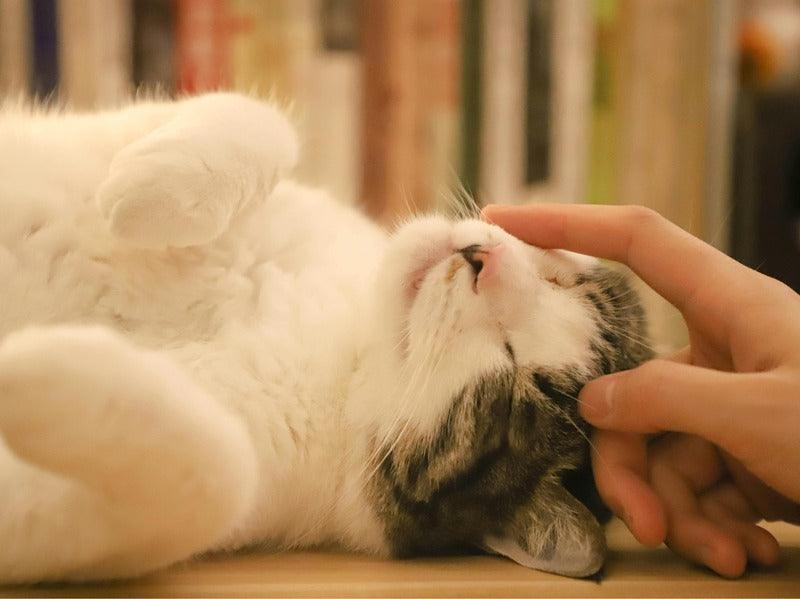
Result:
{"points": [[553, 533]]}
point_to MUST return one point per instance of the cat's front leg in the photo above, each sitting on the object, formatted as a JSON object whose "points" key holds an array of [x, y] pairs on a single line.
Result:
{"points": [[184, 183], [112, 461]]}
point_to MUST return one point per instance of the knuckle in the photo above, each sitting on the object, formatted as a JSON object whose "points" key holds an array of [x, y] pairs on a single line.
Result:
{"points": [[650, 378], [642, 217]]}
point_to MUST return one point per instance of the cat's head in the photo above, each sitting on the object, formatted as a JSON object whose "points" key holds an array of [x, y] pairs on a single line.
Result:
{"points": [[484, 343]]}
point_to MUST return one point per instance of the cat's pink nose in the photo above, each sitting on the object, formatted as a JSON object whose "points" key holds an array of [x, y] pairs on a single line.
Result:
{"points": [[484, 261]]}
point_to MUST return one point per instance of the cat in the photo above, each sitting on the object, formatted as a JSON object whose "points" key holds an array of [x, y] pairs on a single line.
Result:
{"points": [[198, 354]]}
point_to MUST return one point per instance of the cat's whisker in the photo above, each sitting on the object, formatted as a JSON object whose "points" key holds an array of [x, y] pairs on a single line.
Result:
{"points": [[625, 335], [402, 431], [409, 417], [467, 199], [423, 363], [454, 206], [400, 405]]}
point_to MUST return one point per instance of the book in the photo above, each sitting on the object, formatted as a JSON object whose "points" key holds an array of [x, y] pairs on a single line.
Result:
{"points": [[154, 45], [44, 50], [271, 47], [442, 120], [536, 105], [410, 104], [471, 96], [389, 110], [15, 48], [503, 101], [330, 121], [202, 45], [95, 37]]}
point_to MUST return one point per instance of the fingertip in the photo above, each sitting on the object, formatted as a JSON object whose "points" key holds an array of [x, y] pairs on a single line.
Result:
{"points": [[647, 520], [596, 400], [764, 548], [727, 557], [493, 212], [638, 506]]}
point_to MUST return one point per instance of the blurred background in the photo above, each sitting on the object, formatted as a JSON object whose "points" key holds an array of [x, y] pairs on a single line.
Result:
{"points": [[691, 107]]}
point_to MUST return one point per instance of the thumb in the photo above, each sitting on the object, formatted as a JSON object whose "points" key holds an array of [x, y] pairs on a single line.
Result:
{"points": [[662, 395]]}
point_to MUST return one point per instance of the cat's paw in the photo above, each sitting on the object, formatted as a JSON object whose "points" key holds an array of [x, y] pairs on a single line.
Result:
{"points": [[56, 384], [184, 183], [88, 404], [122, 464], [162, 192]]}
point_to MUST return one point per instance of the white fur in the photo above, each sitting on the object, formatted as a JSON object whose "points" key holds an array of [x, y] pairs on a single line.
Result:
{"points": [[196, 351]]}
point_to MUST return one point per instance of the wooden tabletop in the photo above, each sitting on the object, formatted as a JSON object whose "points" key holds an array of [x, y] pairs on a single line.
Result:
{"points": [[631, 570]]}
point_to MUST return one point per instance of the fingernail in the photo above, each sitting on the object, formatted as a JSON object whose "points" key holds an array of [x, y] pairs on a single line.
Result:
{"points": [[601, 405]]}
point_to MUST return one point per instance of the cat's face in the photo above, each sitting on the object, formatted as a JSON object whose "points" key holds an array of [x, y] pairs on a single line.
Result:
{"points": [[490, 340]]}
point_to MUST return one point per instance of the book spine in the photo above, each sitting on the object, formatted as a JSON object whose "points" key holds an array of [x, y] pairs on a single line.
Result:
{"points": [[503, 101], [203, 45], [95, 38], [441, 104], [15, 48], [154, 23], [332, 153], [471, 101], [389, 121], [272, 44], [44, 59]]}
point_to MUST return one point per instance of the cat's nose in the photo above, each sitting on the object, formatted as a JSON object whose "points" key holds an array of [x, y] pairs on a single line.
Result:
{"points": [[482, 259], [474, 256]]}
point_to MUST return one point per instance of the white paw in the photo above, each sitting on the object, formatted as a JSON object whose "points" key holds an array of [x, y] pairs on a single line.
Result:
{"points": [[161, 192], [123, 464], [47, 377]]}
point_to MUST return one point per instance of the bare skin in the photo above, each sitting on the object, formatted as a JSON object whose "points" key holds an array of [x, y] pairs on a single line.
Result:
{"points": [[694, 449]]}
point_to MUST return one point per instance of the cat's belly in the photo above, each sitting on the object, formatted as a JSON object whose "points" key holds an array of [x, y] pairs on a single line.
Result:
{"points": [[275, 347]]}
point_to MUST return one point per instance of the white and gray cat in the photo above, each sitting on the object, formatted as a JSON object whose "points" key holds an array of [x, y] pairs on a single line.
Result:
{"points": [[198, 353]]}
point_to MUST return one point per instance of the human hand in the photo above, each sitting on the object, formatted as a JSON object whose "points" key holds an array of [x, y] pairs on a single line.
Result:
{"points": [[732, 396]]}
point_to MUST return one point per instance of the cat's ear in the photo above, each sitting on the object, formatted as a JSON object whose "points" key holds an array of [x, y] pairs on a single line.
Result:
{"points": [[554, 533]]}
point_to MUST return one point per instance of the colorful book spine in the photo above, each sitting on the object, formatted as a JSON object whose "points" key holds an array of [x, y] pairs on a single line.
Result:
{"points": [[503, 106], [95, 52], [330, 122], [203, 45], [15, 48], [390, 113], [154, 51], [442, 133], [472, 76], [411, 104], [44, 59]]}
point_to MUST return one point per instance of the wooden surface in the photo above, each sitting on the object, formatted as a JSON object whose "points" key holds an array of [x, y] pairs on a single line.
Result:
{"points": [[630, 571]]}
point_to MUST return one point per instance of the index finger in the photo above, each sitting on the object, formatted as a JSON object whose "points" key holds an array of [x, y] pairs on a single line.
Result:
{"points": [[673, 262]]}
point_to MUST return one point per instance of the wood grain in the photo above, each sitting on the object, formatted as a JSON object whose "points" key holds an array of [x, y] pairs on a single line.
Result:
{"points": [[631, 570]]}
